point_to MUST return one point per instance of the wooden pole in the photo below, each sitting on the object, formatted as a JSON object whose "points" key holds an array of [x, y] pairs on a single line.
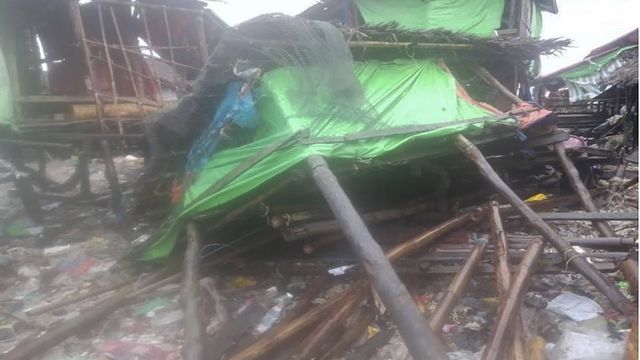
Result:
{"points": [[193, 327], [311, 345], [595, 217], [499, 240], [202, 40], [503, 274], [64, 302], [154, 73], [282, 333], [351, 334], [503, 330], [124, 54], [170, 44], [421, 341], [456, 288], [409, 45], [578, 187], [485, 75], [569, 254], [114, 90]]}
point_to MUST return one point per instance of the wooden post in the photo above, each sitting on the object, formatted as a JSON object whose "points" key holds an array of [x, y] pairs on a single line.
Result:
{"points": [[193, 327], [112, 178], [503, 274], [456, 288], [421, 341], [83, 169], [573, 176], [503, 330], [618, 300]]}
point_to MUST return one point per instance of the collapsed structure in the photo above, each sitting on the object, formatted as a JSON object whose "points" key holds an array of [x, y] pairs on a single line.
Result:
{"points": [[393, 120]]}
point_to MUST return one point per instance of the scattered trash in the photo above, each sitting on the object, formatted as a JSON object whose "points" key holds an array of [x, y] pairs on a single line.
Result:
{"points": [[316, 191], [273, 315], [576, 307], [578, 346]]}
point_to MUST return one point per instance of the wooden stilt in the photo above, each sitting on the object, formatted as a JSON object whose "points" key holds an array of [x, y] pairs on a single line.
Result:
{"points": [[578, 186], [193, 327], [421, 341]]}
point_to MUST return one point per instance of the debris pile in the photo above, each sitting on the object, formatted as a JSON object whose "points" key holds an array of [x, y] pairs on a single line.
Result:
{"points": [[364, 192]]}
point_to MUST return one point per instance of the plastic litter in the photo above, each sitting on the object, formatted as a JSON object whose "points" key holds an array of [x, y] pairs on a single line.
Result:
{"points": [[576, 307], [273, 315], [578, 346]]}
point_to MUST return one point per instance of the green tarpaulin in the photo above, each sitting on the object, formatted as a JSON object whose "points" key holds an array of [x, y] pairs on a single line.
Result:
{"points": [[593, 65], [478, 17], [403, 92], [590, 78]]}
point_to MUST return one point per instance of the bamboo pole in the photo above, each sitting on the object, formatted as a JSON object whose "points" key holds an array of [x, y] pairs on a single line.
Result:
{"points": [[503, 273], [283, 332], [595, 217], [170, 43], [456, 288], [202, 40], [421, 341], [193, 327], [311, 345], [485, 75], [409, 45], [503, 330], [569, 254], [124, 54], [114, 90], [351, 334], [64, 302], [154, 73], [578, 187]]}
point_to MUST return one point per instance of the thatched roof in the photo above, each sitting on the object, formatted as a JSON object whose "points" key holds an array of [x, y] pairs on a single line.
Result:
{"points": [[428, 42]]}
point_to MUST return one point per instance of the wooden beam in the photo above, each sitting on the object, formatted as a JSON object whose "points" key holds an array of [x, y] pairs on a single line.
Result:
{"points": [[421, 341]]}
